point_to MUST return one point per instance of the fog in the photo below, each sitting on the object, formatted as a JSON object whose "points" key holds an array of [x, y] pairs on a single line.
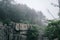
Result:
{"points": [[42, 5], [29, 20]]}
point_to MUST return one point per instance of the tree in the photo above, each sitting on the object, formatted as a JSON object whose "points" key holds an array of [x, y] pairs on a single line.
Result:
{"points": [[32, 34], [18, 12], [52, 30], [57, 5]]}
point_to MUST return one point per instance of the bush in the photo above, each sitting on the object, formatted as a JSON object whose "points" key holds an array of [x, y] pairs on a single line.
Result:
{"points": [[32, 33]]}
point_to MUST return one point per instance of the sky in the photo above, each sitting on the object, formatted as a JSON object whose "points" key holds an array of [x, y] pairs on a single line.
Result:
{"points": [[42, 5]]}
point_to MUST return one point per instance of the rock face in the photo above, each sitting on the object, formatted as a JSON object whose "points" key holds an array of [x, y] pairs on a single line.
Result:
{"points": [[20, 26], [14, 32], [1, 31], [23, 30]]}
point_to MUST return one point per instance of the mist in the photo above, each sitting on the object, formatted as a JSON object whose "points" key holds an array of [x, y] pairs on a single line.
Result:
{"points": [[29, 20]]}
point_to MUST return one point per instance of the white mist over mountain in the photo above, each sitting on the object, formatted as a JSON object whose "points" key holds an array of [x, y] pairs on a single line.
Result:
{"points": [[42, 5]]}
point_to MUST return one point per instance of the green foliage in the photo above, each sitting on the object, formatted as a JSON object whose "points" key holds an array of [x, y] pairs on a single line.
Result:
{"points": [[6, 21], [53, 30], [32, 33]]}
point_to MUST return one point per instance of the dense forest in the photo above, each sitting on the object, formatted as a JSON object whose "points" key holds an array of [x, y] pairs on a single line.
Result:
{"points": [[42, 28], [11, 11]]}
